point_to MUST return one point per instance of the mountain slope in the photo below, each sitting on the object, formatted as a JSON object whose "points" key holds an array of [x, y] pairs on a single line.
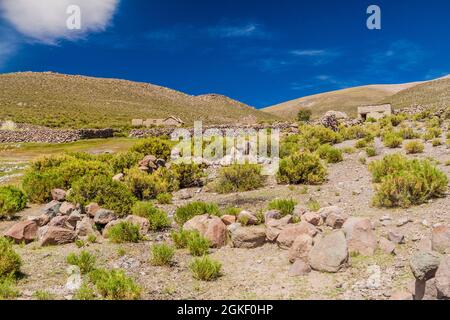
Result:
{"points": [[58, 100], [346, 100]]}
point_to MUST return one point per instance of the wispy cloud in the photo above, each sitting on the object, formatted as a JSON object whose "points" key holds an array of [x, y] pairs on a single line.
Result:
{"points": [[323, 82], [45, 20], [248, 30], [316, 56]]}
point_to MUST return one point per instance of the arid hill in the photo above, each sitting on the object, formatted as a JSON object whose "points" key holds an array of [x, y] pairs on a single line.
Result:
{"points": [[67, 101]]}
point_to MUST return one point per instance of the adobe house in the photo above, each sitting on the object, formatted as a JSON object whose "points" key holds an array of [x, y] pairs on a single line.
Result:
{"points": [[376, 112], [166, 122]]}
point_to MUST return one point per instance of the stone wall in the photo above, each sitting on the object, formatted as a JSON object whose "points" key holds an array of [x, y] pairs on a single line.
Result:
{"points": [[45, 135]]}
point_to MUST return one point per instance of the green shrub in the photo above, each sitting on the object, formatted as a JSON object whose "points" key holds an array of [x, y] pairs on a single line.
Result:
{"points": [[122, 161], [304, 115], [8, 289], [432, 133], [164, 198], [197, 244], [353, 132], [302, 167], [436, 142], [12, 200], [124, 232], [285, 206], [414, 146], [85, 261], [371, 151], [408, 133], [313, 134], [313, 205], [38, 185], [103, 190], [157, 218], [239, 178], [115, 285], [231, 211], [193, 209], [205, 269], [188, 174], [180, 238], [162, 254], [403, 182], [84, 293], [330, 154], [362, 143], [10, 261], [160, 148], [392, 140], [147, 186]]}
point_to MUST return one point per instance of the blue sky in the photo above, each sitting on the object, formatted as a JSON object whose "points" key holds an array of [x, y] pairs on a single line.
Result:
{"points": [[259, 52]]}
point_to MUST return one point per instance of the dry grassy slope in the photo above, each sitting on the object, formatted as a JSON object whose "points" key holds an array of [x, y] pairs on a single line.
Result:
{"points": [[58, 100], [434, 93], [347, 100]]}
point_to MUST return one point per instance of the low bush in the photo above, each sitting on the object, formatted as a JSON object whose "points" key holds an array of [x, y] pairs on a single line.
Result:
{"points": [[205, 268], [180, 238], [158, 147], [414, 146], [330, 154], [302, 167], [403, 182], [10, 261], [147, 186], [103, 190], [197, 244], [304, 115], [408, 133], [124, 232], [12, 200], [432, 133], [162, 254], [115, 285], [285, 206], [371, 151], [188, 174], [239, 178], [436, 142], [122, 161], [164, 198], [190, 210], [84, 293], [8, 289], [392, 140], [85, 261], [157, 218]]}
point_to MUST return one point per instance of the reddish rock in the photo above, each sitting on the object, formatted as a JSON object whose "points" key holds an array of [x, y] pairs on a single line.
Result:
{"points": [[24, 231], [59, 221], [41, 220], [73, 219], [443, 278], [335, 219], [247, 218], [330, 253], [58, 194], [300, 248], [423, 290], [360, 236], [272, 214], [66, 208], [148, 161], [91, 209], [143, 223], [198, 223], [313, 218], [57, 236], [85, 227], [396, 237], [299, 268], [326, 211], [299, 211], [440, 239], [386, 246], [289, 233], [103, 217], [216, 232], [274, 227], [228, 219]]}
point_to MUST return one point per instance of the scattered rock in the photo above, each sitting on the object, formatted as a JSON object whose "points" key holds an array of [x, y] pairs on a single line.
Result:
{"points": [[299, 211], [313, 218], [326, 211], [373, 281], [103, 217], [300, 248], [24, 231], [360, 236], [51, 209], [396, 237], [66, 208], [272, 214], [84, 227], [443, 278], [58, 221], [91, 209], [56, 236], [211, 227], [290, 232], [228, 219], [248, 237], [330, 253], [424, 265], [247, 218], [274, 227], [58, 194], [386, 246], [73, 218], [143, 223], [41, 220], [440, 239], [403, 221], [336, 220], [299, 268]]}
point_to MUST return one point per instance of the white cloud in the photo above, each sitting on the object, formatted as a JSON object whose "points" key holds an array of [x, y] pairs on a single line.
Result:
{"points": [[309, 53], [238, 31], [45, 20]]}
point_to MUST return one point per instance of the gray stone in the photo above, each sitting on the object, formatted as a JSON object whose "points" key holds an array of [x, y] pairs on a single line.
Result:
{"points": [[360, 236], [424, 265], [440, 239], [330, 253], [248, 237], [396, 237], [299, 268], [103, 216], [443, 278]]}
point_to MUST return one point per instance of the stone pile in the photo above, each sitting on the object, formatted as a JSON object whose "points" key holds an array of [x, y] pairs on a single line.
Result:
{"points": [[47, 135]]}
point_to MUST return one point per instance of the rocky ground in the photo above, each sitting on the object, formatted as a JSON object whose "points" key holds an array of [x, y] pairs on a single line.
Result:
{"points": [[265, 272]]}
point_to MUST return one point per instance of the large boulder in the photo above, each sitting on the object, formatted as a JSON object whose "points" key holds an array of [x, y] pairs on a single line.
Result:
{"points": [[58, 221], [66, 208], [84, 227], [440, 239], [91, 209], [299, 268], [289, 233], [274, 227], [313, 218], [424, 265], [56, 236], [103, 217], [300, 248], [443, 278], [272, 214], [247, 218], [211, 227], [360, 236], [326, 211], [228, 219], [51, 209], [248, 237], [330, 253], [24, 231]]}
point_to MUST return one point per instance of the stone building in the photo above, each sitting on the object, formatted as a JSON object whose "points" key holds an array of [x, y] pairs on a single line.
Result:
{"points": [[376, 111]]}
